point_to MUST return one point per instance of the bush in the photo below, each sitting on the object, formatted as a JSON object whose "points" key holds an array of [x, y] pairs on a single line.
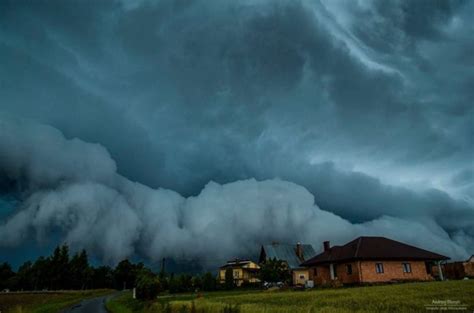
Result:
{"points": [[148, 286], [208, 282], [274, 271], [229, 279]]}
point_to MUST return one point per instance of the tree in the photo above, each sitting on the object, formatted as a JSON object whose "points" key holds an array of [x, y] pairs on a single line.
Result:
{"points": [[185, 282], [229, 279], [274, 270], [208, 282], [148, 285], [6, 274], [173, 284], [102, 277], [41, 271], [80, 271], [60, 273], [125, 274], [24, 277], [180, 283], [196, 282]]}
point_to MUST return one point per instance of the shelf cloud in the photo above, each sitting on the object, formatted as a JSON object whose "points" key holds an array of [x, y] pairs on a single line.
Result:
{"points": [[73, 187]]}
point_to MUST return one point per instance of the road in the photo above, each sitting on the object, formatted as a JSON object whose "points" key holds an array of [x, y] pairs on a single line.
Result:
{"points": [[94, 305]]}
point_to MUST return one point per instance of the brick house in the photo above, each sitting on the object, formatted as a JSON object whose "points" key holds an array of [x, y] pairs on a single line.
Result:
{"points": [[371, 260]]}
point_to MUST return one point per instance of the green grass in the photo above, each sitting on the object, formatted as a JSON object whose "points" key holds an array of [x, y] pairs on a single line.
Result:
{"points": [[47, 302], [408, 297], [124, 303]]}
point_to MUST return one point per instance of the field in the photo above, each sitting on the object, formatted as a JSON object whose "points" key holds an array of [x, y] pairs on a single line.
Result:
{"points": [[44, 302], [409, 297]]}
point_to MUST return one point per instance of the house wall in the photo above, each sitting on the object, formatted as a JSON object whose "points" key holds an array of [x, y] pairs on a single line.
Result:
{"points": [[455, 270], [469, 268], [365, 272], [241, 275], [321, 275], [252, 265], [344, 276], [300, 276], [393, 270], [236, 273]]}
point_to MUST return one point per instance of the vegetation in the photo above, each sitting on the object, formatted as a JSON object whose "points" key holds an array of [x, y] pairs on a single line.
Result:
{"points": [[229, 279], [62, 272], [44, 302], [59, 271], [274, 270], [148, 285], [407, 297]]}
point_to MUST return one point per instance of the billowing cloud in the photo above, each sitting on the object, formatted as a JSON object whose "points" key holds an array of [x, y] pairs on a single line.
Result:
{"points": [[116, 218], [364, 104]]}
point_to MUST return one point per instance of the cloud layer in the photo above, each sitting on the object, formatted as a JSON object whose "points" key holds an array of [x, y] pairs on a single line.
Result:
{"points": [[364, 104], [81, 196]]}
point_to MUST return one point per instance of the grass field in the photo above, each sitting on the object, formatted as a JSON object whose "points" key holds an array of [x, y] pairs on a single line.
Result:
{"points": [[408, 297], [47, 302]]}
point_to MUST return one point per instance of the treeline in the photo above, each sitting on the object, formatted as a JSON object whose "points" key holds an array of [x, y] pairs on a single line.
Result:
{"points": [[61, 271]]}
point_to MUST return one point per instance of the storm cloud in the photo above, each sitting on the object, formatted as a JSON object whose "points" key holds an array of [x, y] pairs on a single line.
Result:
{"points": [[178, 123]]}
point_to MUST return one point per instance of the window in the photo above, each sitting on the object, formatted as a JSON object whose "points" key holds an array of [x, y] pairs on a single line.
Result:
{"points": [[406, 267], [335, 271], [236, 274], [315, 271], [301, 276], [349, 269], [379, 268]]}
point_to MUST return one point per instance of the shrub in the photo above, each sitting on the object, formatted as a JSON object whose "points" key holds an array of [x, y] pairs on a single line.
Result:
{"points": [[208, 282], [148, 286], [274, 270], [229, 279]]}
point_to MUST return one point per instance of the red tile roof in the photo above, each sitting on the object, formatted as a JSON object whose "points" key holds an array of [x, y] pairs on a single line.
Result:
{"points": [[373, 248]]}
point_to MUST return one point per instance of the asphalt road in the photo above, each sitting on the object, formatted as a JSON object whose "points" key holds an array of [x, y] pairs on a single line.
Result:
{"points": [[94, 305]]}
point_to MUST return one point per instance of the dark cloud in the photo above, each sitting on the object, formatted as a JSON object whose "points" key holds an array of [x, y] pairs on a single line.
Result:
{"points": [[364, 104]]}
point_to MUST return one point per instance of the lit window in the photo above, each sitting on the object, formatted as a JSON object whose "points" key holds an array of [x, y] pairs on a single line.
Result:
{"points": [[236, 274], [379, 268], [349, 269], [406, 267]]}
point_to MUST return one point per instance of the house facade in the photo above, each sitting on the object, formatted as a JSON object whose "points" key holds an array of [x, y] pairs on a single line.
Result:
{"points": [[456, 270], [293, 256], [371, 260], [243, 271]]}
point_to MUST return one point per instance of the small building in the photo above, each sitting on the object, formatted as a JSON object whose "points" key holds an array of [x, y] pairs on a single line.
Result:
{"points": [[243, 271], [372, 260], [457, 270], [292, 255]]}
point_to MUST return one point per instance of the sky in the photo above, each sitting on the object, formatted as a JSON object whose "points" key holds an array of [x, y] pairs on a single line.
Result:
{"points": [[198, 130]]}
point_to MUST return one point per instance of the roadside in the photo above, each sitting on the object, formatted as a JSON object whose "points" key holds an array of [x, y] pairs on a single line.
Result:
{"points": [[93, 305], [46, 302]]}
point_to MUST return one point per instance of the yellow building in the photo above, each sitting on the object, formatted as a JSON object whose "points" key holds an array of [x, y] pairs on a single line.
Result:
{"points": [[243, 271]]}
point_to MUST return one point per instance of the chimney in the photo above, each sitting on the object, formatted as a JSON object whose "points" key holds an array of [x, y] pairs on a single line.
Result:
{"points": [[299, 251], [326, 245]]}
